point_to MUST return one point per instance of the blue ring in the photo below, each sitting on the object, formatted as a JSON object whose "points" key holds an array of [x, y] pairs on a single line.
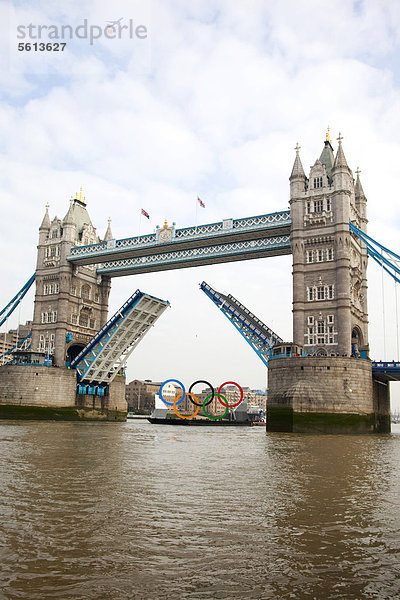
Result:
{"points": [[171, 403]]}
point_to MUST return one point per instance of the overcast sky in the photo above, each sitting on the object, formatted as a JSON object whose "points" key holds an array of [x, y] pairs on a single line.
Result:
{"points": [[211, 103]]}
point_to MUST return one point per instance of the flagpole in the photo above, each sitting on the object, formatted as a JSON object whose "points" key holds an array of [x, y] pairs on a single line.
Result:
{"points": [[195, 220], [140, 219]]}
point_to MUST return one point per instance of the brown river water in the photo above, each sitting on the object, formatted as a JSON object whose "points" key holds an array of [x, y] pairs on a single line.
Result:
{"points": [[141, 511]]}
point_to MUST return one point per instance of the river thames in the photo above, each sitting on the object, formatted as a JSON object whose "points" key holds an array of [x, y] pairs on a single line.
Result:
{"points": [[140, 511]]}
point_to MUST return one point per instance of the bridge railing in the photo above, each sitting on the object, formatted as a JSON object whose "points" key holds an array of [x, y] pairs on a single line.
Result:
{"points": [[386, 365]]}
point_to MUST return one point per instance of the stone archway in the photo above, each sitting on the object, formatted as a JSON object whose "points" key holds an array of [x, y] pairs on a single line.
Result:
{"points": [[73, 350], [320, 352], [357, 341]]}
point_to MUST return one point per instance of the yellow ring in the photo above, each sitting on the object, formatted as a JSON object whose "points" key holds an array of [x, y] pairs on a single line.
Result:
{"points": [[176, 412]]}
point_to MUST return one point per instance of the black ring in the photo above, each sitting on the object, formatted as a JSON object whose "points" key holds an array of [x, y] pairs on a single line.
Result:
{"points": [[211, 388]]}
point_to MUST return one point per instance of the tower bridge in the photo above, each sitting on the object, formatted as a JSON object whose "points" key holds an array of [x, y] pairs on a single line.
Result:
{"points": [[327, 384]]}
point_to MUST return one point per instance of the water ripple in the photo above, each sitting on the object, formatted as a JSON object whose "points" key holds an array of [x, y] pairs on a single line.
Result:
{"points": [[113, 511]]}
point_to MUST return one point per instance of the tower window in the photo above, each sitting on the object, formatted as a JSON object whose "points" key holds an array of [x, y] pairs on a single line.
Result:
{"points": [[308, 208], [49, 317], [83, 320], [317, 182], [320, 292], [318, 206], [328, 204], [329, 254], [310, 320], [330, 319], [51, 288], [320, 255], [85, 292], [309, 256]]}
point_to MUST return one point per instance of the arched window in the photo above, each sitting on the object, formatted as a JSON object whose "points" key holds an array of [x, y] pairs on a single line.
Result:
{"points": [[85, 292], [356, 341]]}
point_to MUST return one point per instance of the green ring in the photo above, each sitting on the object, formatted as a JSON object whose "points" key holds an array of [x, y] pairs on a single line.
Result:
{"points": [[209, 416]]}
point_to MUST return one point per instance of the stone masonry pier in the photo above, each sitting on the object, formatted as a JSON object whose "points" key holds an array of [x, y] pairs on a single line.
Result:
{"points": [[326, 395]]}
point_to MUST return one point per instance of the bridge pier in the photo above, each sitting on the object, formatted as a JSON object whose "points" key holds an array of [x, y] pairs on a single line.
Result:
{"points": [[321, 394], [39, 392]]}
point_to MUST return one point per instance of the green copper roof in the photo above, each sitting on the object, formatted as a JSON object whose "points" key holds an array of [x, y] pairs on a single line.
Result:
{"points": [[327, 158]]}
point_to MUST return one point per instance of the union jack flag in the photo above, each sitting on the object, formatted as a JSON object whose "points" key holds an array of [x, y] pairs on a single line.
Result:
{"points": [[200, 202], [145, 214]]}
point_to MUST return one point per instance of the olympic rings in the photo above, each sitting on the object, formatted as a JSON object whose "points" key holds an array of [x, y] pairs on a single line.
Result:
{"points": [[241, 393], [211, 388], [208, 399], [181, 416], [172, 403], [209, 416]]}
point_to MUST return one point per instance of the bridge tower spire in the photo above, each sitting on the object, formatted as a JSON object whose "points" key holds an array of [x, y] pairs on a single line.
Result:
{"points": [[297, 177]]}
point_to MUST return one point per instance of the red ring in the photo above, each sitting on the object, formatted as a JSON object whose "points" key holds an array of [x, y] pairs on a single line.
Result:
{"points": [[241, 394]]}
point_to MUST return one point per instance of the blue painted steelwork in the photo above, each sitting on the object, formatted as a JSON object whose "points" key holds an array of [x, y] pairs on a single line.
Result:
{"points": [[12, 305], [103, 357], [92, 390], [386, 367], [97, 342], [260, 337], [379, 253], [21, 344], [390, 369], [95, 346]]}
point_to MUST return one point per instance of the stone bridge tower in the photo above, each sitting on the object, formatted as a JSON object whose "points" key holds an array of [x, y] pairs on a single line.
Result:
{"points": [[71, 303], [329, 265], [327, 386]]}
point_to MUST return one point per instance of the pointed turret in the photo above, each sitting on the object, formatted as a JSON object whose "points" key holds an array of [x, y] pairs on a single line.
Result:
{"points": [[297, 170], [44, 229], [340, 160], [327, 157], [341, 173], [361, 201], [109, 235], [69, 217], [46, 219], [358, 188], [297, 177], [69, 223]]}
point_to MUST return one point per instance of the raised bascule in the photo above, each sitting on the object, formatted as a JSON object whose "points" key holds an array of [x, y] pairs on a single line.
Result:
{"points": [[321, 381]]}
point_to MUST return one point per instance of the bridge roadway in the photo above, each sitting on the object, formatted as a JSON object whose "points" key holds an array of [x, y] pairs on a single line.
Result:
{"points": [[170, 248], [386, 370]]}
